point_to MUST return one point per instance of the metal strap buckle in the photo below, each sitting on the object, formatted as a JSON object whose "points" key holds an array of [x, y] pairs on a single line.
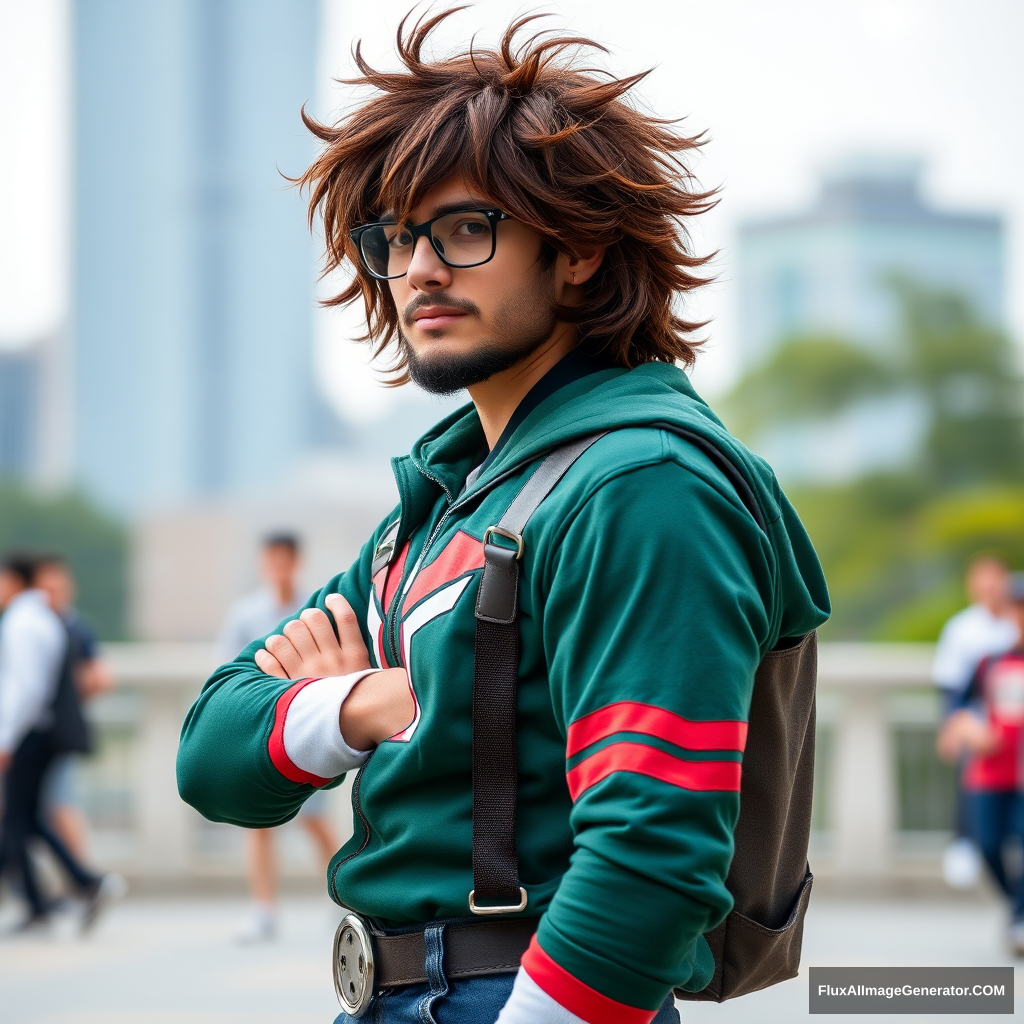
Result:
{"points": [[513, 909], [502, 532], [353, 965]]}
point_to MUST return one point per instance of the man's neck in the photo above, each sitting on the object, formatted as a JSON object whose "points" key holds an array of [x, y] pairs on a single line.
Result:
{"points": [[497, 398], [285, 594]]}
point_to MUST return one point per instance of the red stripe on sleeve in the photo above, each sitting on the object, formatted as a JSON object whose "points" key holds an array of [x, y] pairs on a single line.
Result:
{"points": [[644, 760], [631, 716], [275, 745], [576, 996]]}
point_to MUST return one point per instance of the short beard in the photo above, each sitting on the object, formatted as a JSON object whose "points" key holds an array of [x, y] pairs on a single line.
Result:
{"points": [[522, 325]]}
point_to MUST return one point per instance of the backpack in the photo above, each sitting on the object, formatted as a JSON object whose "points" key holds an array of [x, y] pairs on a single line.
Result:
{"points": [[758, 943]]}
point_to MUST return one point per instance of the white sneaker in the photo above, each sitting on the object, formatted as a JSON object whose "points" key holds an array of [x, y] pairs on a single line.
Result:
{"points": [[260, 927], [961, 864]]}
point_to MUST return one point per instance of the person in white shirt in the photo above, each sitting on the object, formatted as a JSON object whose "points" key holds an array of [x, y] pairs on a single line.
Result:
{"points": [[33, 647], [251, 618], [982, 629]]}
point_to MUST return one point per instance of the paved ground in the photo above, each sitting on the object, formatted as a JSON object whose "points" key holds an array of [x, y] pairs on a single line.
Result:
{"points": [[174, 962]]}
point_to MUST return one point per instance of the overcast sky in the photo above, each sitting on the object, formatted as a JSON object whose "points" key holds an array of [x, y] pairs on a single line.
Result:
{"points": [[781, 86]]}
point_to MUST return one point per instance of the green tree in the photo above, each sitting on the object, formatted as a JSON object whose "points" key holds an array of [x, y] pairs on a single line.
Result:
{"points": [[894, 545], [966, 372], [95, 546]]}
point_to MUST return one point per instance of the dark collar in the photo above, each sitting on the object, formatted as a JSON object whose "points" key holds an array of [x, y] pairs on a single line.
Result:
{"points": [[569, 368]]}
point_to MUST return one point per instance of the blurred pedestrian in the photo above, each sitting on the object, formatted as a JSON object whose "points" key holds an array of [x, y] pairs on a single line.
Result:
{"points": [[982, 629], [251, 618], [91, 676], [33, 673], [988, 726]]}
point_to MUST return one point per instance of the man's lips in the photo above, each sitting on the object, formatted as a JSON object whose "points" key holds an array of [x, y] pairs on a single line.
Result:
{"points": [[432, 317]]}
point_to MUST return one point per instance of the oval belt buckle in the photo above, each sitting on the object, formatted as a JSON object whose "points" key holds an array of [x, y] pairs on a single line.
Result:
{"points": [[353, 966]]}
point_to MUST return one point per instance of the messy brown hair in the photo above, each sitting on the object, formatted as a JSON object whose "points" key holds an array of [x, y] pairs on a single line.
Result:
{"points": [[553, 145]]}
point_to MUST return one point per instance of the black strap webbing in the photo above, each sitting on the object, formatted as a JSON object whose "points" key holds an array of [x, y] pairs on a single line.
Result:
{"points": [[496, 886], [496, 670]]}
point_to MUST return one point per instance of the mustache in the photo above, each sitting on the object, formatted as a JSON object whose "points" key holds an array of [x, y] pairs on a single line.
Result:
{"points": [[437, 299]]}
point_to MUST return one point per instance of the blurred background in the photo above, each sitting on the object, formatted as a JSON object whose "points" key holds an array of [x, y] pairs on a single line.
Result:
{"points": [[170, 391]]}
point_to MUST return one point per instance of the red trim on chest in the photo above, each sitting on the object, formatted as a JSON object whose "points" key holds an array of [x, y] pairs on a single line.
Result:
{"points": [[461, 554]]}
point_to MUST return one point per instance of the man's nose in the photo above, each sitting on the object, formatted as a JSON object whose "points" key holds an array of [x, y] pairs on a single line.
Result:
{"points": [[427, 271]]}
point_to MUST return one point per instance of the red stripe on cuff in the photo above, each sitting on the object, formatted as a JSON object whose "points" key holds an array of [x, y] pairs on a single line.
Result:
{"points": [[656, 763], [632, 716], [275, 745], [576, 996]]}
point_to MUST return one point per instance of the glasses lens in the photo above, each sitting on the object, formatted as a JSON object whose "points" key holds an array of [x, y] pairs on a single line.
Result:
{"points": [[386, 249], [464, 239]]}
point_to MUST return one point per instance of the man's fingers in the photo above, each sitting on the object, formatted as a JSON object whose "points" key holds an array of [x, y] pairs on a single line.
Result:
{"points": [[285, 654], [348, 628], [269, 664], [302, 640], [321, 629]]}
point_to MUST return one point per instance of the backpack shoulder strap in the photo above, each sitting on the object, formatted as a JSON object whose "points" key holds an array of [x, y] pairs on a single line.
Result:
{"points": [[495, 674]]}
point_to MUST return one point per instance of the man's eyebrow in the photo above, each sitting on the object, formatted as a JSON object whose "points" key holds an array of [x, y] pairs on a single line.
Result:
{"points": [[458, 206], [461, 206]]}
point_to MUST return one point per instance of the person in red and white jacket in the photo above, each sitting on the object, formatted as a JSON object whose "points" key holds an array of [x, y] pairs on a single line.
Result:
{"points": [[988, 727]]}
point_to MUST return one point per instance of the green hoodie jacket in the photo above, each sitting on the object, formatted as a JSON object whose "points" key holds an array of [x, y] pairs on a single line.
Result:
{"points": [[648, 596]]}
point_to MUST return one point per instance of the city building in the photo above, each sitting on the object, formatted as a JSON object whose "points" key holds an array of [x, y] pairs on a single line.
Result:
{"points": [[19, 411], [194, 269], [828, 272], [824, 270]]}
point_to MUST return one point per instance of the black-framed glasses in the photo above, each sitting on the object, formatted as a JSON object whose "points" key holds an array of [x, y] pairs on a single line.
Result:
{"points": [[465, 238]]}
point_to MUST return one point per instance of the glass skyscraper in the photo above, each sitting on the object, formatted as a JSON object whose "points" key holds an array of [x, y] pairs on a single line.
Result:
{"points": [[194, 269], [824, 270]]}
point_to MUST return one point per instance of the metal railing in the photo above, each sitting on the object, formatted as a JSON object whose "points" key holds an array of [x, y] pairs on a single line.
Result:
{"points": [[883, 802]]}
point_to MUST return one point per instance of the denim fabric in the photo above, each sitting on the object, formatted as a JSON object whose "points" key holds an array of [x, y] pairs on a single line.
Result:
{"points": [[997, 816], [467, 1001]]}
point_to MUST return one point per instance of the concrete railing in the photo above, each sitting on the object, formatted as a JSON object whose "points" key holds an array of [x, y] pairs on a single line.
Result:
{"points": [[865, 691]]}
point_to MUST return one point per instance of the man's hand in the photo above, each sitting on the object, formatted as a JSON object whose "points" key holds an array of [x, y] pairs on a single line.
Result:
{"points": [[964, 733], [310, 648], [379, 705]]}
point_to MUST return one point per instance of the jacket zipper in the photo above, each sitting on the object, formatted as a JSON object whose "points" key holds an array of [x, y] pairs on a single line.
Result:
{"points": [[393, 614]]}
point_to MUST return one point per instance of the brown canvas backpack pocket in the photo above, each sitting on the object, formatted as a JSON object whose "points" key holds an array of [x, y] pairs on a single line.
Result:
{"points": [[758, 944]]}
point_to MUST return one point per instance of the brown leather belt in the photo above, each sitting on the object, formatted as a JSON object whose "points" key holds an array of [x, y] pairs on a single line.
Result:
{"points": [[470, 950]]}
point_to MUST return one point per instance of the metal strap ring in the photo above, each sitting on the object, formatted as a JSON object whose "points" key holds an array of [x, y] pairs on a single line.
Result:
{"points": [[502, 532], [513, 909]]}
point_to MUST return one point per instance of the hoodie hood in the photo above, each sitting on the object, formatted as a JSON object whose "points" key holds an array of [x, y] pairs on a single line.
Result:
{"points": [[617, 398]]}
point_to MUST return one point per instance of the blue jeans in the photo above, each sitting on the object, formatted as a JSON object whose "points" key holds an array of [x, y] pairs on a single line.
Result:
{"points": [[996, 816], [466, 1001]]}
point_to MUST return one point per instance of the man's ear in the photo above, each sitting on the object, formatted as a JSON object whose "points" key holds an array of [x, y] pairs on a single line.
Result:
{"points": [[577, 271]]}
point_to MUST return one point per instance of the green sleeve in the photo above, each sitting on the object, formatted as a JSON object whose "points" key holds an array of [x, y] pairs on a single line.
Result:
{"points": [[658, 612], [224, 767]]}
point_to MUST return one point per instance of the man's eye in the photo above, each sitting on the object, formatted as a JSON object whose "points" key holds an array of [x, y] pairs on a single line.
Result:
{"points": [[400, 239], [471, 227]]}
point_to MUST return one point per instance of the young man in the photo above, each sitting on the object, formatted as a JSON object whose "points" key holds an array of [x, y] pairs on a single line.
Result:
{"points": [[517, 229], [984, 628], [33, 648], [988, 728], [250, 618], [90, 676]]}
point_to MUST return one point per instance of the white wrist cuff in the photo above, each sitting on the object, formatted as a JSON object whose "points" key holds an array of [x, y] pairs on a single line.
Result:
{"points": [[530, 1004], [312, 733]]}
